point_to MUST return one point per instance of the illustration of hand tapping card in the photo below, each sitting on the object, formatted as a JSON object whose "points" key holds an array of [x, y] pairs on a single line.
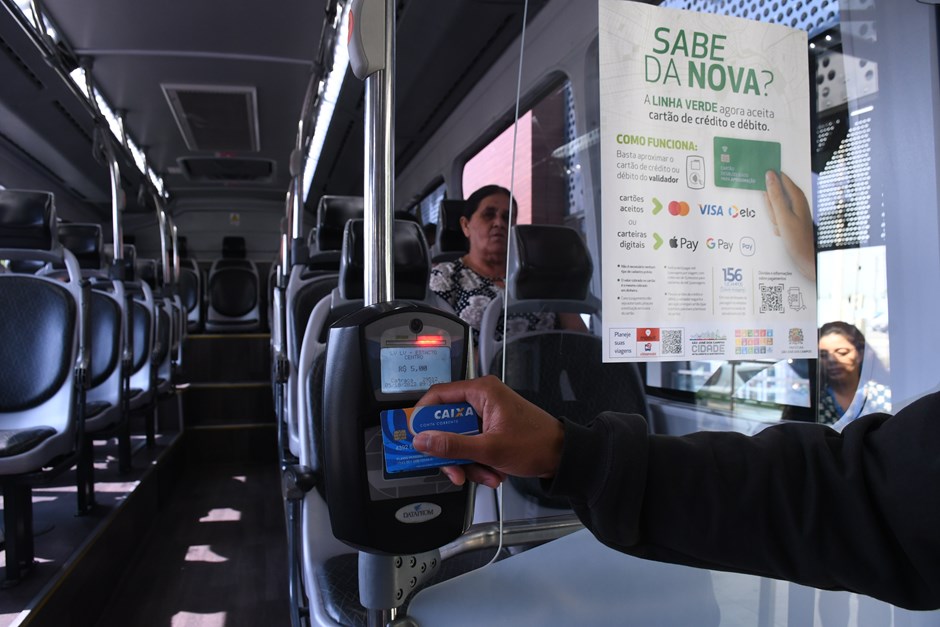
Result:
{"points": [[742, 163]]}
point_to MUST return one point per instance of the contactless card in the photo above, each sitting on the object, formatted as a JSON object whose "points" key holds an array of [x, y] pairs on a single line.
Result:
{"points": [[743, 163], [399, 426]]}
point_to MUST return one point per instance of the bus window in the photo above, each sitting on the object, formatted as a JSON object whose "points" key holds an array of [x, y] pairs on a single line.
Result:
{"points": [[430, 204], [548, 182]]}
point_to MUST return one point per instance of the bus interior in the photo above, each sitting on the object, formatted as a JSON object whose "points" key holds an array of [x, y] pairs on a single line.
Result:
{"points": [[206, 189]]}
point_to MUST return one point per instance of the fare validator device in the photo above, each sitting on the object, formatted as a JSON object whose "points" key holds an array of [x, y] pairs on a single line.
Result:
{"points": [[383, 358]]}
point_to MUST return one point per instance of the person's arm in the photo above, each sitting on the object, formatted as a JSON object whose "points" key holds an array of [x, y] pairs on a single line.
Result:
{"points": [[856, 511]]}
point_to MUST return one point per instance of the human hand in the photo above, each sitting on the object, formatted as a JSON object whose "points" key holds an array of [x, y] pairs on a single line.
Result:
{"points": [[518, 438], [793, 221]]}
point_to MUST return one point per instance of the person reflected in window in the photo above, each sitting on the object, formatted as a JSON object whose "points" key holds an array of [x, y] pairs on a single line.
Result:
{"points": [[471, 282], [844, 396]]}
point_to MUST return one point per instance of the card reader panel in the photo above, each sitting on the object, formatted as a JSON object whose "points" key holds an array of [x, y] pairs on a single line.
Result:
{"points": [[382, 357]]}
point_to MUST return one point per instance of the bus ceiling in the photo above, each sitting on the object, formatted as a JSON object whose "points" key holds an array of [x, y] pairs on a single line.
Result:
{"points": [[212, 98]]}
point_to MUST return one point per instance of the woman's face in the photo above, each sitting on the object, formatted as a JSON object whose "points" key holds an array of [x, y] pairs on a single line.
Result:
{"points": [[839, 357], [488, 227]]}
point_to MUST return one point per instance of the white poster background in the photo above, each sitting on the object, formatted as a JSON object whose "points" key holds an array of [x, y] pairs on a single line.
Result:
{"points": [[692, 266]]}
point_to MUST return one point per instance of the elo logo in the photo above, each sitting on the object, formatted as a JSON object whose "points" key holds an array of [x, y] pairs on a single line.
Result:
{"points": [[736, 212], [678, 208]]}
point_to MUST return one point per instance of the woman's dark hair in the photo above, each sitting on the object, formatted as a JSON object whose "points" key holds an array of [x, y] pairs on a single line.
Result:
{"points": [[473, 201], [846, 330]]}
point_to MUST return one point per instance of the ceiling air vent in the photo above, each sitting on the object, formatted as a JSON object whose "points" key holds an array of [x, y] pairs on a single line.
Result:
{"points": [[215, 117], [227, 169]]}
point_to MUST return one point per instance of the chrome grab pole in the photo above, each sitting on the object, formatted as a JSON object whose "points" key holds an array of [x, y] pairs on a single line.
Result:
{"points": [[380, 171], [118, 199]]}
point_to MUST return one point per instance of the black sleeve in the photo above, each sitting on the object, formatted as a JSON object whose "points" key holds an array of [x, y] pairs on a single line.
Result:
{"points": [[857, 511]]}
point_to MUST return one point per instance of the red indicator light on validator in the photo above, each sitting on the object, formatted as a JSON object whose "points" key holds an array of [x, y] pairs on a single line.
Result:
{"points": [[430, 340]]}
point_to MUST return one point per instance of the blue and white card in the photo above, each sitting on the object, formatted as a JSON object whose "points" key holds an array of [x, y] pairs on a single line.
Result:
{"points": [[400, 426]]}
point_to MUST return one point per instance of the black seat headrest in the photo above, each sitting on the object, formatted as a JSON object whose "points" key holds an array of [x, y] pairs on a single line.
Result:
{"points": [[333, 212], [450, 237], [130, 262], [148, 270], [182, 246], [312, 240], [233, 247], [412, 262], [27, 220], [549, 263], [86, 242]]}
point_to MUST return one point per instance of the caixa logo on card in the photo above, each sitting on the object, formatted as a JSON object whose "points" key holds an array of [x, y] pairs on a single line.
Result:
{"points": [[418, 513]]}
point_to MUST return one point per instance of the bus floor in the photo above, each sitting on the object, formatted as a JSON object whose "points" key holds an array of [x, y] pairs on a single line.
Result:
{"points": [[182, 540]]}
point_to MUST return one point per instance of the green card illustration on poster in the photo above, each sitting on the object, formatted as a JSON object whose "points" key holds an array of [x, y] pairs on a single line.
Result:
{"points": [[707, 232]]}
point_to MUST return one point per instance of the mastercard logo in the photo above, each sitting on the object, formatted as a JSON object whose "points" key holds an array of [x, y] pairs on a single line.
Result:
{"points": [[678, 208]]}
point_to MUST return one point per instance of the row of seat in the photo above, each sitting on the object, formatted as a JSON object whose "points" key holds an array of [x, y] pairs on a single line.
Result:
{"points": [[224, 298], [86, 345], [558, 369]]}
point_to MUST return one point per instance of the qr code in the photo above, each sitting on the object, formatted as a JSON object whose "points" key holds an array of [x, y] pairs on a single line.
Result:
{"points": [[771, 298], [672, 342]]}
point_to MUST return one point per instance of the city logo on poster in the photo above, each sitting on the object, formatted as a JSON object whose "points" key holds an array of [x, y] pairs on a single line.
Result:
{"points": [[708, 343], [796, 336]]}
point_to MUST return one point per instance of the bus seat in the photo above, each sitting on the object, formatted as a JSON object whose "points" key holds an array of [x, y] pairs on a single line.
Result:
{"points": [[168, 330], [450, 242], [234, 294], [561, 371], [142, 313], [150, 273], [309, 283], [190, 287], [42, 366], [104, 414], [190, 291]]}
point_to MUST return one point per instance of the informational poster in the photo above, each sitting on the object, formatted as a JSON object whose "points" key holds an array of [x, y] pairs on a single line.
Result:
{"points": [[707, 232]]}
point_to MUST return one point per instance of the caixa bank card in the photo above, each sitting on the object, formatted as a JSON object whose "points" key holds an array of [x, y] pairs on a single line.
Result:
{"points": [[399, 427]]}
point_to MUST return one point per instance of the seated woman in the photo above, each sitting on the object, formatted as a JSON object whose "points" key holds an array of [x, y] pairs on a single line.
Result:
{"points": [[844, 396], [469, 284]]}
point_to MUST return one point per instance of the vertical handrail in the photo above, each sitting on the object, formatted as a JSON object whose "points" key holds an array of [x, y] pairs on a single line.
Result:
{"points": [[175, 255], [118, 199], [380, 171], [164, 245]]}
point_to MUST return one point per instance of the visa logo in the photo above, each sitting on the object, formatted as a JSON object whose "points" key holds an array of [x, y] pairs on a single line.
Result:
{"points": [[711, 210]]}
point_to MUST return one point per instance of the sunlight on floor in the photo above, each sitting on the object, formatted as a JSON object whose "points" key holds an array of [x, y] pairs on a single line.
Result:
{"points": [[222, 514], [203, 553], [216, 619]]}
